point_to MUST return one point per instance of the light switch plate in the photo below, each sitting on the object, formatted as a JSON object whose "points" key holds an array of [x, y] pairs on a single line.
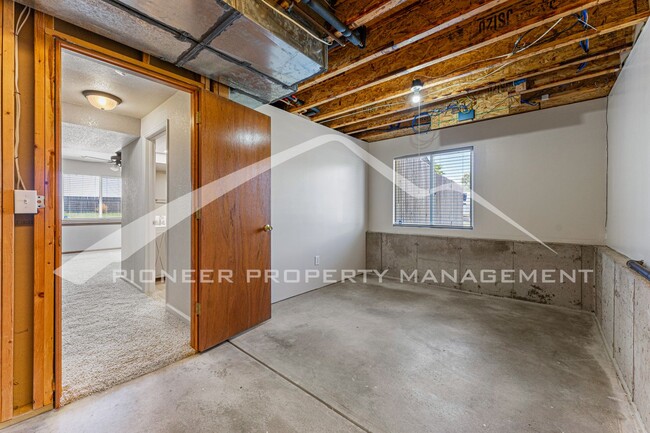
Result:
{"points": [[25, 202]]}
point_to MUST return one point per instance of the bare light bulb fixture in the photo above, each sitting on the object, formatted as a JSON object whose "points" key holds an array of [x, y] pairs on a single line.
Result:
{"points": [[416, 88], [102, 100]]}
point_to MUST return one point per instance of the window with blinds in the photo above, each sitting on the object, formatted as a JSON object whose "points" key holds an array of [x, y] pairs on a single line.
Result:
{"points": [[434, 189], [91, 197]]}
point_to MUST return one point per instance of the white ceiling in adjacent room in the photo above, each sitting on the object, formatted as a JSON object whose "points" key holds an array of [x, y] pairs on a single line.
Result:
{"points": [[89, 134], [139, 95], [85, 142]]}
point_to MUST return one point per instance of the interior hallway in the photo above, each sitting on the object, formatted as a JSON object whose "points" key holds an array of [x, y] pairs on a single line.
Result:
{"points": [[378, 358], [112, 332]]}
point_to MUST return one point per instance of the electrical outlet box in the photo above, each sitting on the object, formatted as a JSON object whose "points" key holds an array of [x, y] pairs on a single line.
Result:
{"points": [[469, 115], [520, 86], [26, 202], [316, 260]]}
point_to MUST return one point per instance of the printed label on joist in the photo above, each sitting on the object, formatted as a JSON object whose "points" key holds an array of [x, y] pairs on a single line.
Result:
{"points": [[495, 21], [501, 18]]}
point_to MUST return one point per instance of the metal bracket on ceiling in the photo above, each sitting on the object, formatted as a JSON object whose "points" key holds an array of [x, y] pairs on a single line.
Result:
{"points": [[226, 21]]}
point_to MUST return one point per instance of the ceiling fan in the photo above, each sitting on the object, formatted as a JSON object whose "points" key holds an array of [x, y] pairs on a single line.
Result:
{"points": [[115, 161]]}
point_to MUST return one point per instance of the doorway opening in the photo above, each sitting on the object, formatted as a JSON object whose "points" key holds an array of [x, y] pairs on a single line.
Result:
{"points": [[125, 146]]}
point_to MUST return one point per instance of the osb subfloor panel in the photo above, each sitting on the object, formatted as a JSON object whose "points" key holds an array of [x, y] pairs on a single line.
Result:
{"points": [[378, 358]]}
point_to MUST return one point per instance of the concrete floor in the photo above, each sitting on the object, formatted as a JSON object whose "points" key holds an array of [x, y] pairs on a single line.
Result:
{"points": [[378, 358]]}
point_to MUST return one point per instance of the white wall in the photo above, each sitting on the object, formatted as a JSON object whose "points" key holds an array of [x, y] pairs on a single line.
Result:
{"points": [[628, 227], [83, 237], [318, 204], [177, 110], [546, 170], [80, 237]]}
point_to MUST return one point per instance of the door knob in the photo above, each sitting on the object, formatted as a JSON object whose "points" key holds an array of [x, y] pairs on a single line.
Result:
{"points": [[268, 228]]}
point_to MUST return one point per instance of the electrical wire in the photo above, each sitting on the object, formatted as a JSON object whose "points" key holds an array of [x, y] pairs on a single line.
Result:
{"points": [[22, 19], [515, 51], [289, 18]]}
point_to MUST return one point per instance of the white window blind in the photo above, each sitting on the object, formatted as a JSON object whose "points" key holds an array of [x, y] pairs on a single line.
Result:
{"points": [[434, 189], [91, 197]]}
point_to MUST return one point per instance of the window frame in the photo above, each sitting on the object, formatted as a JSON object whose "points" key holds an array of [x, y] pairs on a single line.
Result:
{"points": [[471, 186], [89, 221]]}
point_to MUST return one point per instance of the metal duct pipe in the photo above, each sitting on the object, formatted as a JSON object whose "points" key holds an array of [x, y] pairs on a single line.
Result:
{"points": [[638, 266], [320, 9]]}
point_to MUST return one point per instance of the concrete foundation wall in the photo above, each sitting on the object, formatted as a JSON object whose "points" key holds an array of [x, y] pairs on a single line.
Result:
{"points": [[395, 253], [623, 311]]}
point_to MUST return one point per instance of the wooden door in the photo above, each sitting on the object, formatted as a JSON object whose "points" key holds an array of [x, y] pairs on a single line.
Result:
{"points": [[233, 140]]}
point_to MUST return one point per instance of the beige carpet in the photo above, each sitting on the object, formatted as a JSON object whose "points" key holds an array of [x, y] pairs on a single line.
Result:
{"points": [[113, 333]]}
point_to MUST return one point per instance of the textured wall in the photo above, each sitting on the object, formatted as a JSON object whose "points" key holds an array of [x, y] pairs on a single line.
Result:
{"points": [[394, 253], [623, 311], [178, 111]]}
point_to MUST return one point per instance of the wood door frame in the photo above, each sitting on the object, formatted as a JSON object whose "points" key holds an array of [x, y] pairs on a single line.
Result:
{"points": [[50, 72]]}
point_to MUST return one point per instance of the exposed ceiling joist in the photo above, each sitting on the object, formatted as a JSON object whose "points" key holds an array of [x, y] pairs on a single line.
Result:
{"points": [[463, 66], [357, 13], [507, 21], [525, 68], [536, 82], [495, 106], [470, 50], [408, 27]]}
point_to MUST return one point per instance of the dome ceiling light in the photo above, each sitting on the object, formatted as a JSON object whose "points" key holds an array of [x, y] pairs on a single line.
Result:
{"points": [[102, 100]]}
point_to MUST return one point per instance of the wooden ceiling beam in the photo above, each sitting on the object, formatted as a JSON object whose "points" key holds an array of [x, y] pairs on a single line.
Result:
{"points": [[506, 22], [361, 12], [597, 63], [546, 62], [468, 64], [563, 93], [408, 27], [536, 82], [356, 13]]}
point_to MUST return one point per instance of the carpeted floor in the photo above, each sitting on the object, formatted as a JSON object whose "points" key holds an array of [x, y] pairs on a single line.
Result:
{"points": [[113, 333]]}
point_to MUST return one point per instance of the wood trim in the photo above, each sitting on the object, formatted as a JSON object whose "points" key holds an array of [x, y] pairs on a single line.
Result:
{"points": [[55, 42], [7, 230], [44, 221], [39, 218], [194, 295], [53, 135], [50, 219], [106, 55]]}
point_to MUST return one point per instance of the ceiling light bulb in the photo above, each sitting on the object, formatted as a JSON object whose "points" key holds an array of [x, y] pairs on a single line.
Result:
{"points": [[417, 86], [102, 100], [416, 98]]}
